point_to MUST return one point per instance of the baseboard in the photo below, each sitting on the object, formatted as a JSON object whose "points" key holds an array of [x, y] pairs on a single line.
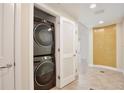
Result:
{"points": [[106, 67], [66, 81]]}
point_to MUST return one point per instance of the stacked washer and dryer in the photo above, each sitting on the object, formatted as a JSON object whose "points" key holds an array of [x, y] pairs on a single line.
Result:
{"points": [[44, 50]]}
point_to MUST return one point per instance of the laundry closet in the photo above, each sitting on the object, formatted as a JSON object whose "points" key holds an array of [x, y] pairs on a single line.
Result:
{"points": [[54, 50]]}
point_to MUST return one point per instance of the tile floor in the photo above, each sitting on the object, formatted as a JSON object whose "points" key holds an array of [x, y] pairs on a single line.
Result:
{"points": [[94, 78]]}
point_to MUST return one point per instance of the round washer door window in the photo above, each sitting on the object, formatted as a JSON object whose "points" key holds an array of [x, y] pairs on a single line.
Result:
{"points": [[43, 34], [44, 73]]}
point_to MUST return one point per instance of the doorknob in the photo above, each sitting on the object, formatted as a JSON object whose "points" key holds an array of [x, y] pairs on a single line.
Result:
{"points": [[7, 66]]}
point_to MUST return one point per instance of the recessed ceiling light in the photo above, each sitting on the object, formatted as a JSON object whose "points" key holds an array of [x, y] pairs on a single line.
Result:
{"points": [[101, 22], [92, 6]]}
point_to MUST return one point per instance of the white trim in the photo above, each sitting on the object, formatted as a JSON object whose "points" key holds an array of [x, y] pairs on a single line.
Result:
{"points": [[18, 59], [106, 67], [18, 46], [67, 80], [31, 67], [57, 54]]}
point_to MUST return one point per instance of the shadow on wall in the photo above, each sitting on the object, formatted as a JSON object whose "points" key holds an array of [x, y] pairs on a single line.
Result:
{"points": [[83, 66], [84, 47]]}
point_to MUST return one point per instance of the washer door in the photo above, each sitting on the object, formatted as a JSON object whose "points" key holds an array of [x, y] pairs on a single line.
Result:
{"points": [[44, 73], [43, 34]]}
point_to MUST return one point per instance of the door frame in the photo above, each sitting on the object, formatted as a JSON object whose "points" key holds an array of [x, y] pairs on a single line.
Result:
{"points": [[17, 45], [17, 48]]}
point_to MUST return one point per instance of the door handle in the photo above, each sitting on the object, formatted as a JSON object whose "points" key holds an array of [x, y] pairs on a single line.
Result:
{"points": [[7, 66]]}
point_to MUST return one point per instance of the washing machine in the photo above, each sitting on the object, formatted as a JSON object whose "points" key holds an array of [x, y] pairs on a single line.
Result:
{"points": [[44, 42], [44, 73], [44, 51]]}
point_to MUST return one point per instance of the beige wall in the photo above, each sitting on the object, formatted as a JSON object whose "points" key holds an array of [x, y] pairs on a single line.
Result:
{"points": [[25, 46], [84, 42]]}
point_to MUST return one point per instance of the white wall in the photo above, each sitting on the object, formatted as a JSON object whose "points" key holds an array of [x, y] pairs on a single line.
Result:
{"points": [[121, 36], [61, 12], [54, 10], [120, 46], [123, 46], [84, 42]]}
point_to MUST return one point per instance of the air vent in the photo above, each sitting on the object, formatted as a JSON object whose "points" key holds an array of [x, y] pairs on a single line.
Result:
{"points": [[91, 89], [102, 72], [99, 12]]}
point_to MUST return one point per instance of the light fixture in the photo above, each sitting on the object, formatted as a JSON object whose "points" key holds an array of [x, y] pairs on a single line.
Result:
{"points": [[92, 6], [101, 22]]}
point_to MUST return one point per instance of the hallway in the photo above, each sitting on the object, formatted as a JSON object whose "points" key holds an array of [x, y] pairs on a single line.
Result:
{"points": [[94, 78], [62, 46]]}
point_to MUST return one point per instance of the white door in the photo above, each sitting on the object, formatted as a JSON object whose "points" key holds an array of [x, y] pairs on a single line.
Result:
{"points": [[6, 46], [66, 51]]}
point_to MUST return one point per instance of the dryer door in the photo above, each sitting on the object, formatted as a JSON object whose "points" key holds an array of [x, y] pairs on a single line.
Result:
{"points": [[44, 73], [43, 34]]}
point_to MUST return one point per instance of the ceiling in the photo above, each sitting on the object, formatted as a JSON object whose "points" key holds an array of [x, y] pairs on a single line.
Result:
{"points": [[109, 13]]}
